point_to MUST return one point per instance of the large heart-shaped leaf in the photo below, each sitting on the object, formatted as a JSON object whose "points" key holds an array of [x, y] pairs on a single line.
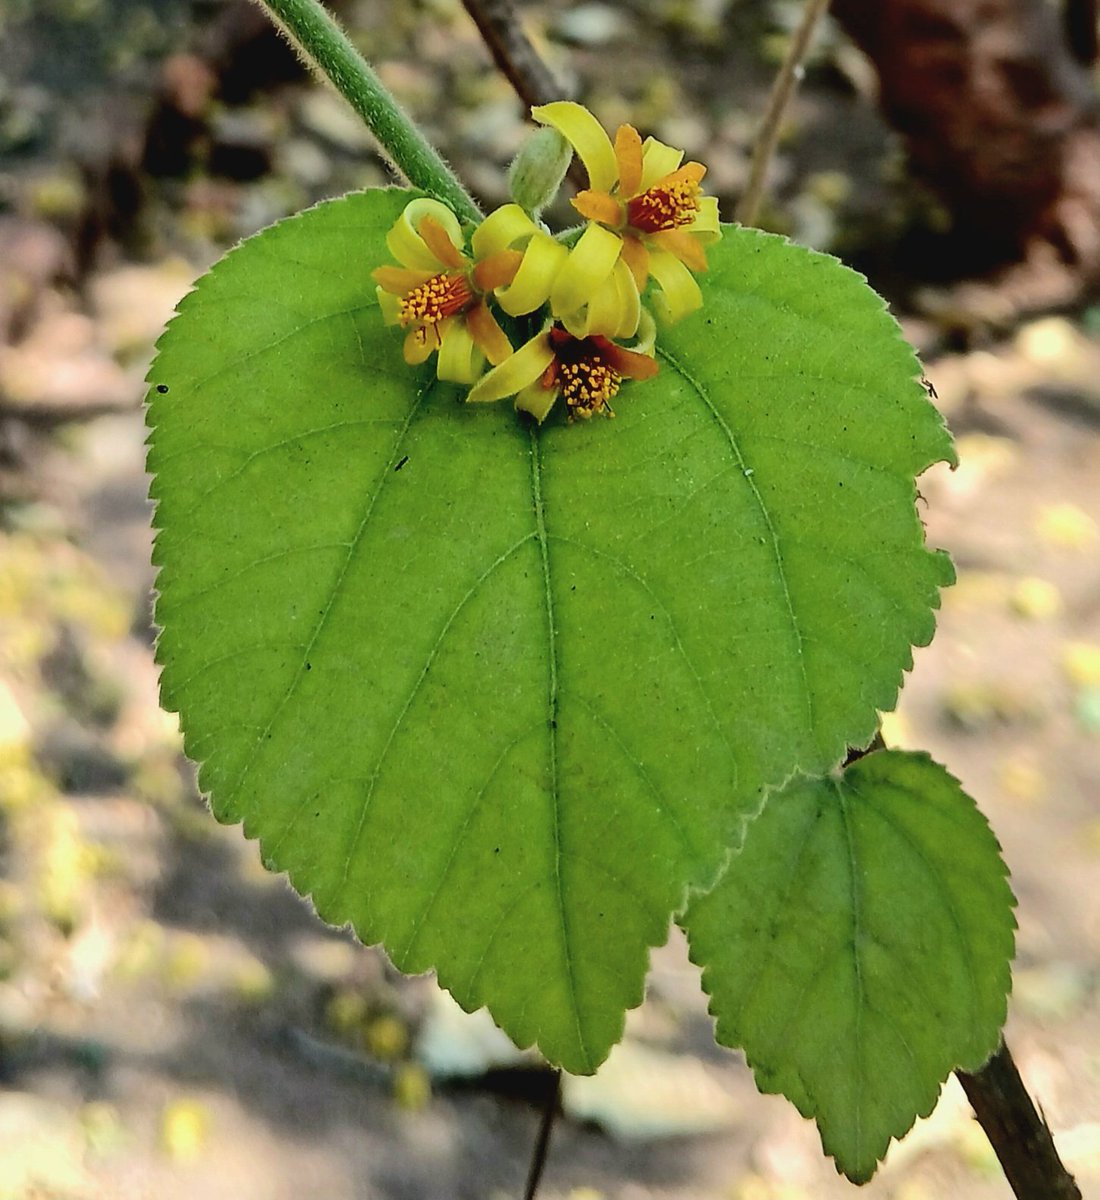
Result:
{"points": [[498, 695], [858, 948]]}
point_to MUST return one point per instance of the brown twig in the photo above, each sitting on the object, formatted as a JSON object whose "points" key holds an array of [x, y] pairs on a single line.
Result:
{"points": [[782, 90], [542, 1143], [531, 79], [1079, 20], [1018, 1134]]}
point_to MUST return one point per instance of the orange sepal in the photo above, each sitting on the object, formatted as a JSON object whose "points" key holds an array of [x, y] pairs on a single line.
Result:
{"points": [[399, 281], [435, 237], [629, 363], [628, 155], [636, 257], [684, 245], [487, 334], [497, 269], [598, 206]]}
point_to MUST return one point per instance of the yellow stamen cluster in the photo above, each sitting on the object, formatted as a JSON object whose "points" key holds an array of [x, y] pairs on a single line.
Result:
{"points": [[666, 207], [587, 385], [442, 296]]}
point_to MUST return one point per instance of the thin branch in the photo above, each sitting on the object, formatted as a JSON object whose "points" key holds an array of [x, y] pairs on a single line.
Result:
{"points": [[531, 79], [782, 91], [542, 1143], [1018, 1134], [1079, 19]]}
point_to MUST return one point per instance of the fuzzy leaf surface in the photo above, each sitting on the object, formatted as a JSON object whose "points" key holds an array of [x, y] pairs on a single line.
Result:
{"points": [[498, 695], [858, 948]]}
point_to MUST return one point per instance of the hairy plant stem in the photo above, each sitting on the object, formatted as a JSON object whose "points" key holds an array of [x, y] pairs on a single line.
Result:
{"points": [[783, 88], [324, 45]]}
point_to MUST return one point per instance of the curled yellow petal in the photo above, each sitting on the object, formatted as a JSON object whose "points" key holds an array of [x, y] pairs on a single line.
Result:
{"points": [[517, 371], [658, 160], [536, 400], [406, 244], [589, 263], [586, 135], [390, 306], [680, 293], [706, 224], [500, 230], [612, 312], [530, 288], [460, 360]]}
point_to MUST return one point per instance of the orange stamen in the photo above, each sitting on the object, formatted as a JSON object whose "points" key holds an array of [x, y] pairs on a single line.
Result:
{"points": [[443, 295]]}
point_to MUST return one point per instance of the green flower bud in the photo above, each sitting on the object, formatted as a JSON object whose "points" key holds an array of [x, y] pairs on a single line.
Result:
{"points": [[538, 169]]}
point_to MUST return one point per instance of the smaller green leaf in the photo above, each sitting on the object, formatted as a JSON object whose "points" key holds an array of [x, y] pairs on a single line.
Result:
{"points": [[858, 948]]}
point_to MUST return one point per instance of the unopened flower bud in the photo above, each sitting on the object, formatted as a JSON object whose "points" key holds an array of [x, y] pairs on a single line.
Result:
{"points": [[538, 169]]}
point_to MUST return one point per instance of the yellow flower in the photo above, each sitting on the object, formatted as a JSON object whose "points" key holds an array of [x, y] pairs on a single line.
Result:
{"points": [[586, 371], [588, 287], [439, 294], [646, 196]]}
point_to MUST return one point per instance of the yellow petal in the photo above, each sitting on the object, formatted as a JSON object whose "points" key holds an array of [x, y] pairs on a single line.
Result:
{"points": [[658, 160], [706, 225], [420, 344], [589, 263], [460, 360], [586, 135], [390, 306], [536, 400], [680, 293], [542, 260], [406, 244], [646, 338], [500, 230], [612, 312], [515, 373]]}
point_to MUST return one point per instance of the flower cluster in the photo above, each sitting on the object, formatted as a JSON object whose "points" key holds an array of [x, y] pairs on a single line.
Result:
{"points": [[646, 225]]}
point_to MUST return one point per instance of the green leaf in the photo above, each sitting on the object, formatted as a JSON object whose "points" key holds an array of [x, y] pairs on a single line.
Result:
{"points": [[497, 696], [858, 948]]}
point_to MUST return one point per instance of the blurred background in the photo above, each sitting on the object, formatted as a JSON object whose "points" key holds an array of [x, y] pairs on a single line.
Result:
{"points": [[173, 1021]]}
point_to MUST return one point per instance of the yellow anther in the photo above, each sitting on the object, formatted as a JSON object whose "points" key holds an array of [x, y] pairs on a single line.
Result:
{"points": [[587, 385], [666, 206], [442, 296]]}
